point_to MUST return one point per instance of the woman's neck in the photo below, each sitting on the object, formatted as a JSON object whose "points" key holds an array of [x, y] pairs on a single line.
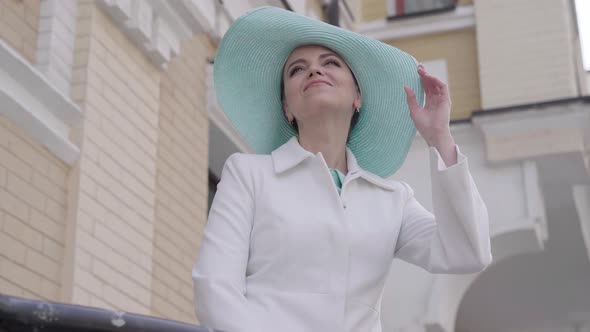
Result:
{"points": [[331, 142]]}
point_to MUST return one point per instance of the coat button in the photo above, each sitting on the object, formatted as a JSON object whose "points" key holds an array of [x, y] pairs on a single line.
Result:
{"points": [[344, 204]]}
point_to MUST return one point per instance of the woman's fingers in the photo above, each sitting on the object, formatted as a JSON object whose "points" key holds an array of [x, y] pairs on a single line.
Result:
{"points": [[431, 84], [427, 83], [411, 97]]}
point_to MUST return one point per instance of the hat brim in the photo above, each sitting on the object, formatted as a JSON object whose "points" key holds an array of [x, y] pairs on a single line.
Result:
{"points": [[248, 73]]}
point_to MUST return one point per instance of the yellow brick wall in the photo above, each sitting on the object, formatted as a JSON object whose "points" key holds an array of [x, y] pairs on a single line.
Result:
{"points": [[181, 195], [315, 7], [19, 23], [459, 49], [372, 10], [121, 227], [113, 194], [32, 185], [32, 216]]}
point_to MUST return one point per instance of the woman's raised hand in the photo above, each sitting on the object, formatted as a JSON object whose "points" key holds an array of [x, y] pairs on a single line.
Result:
{"points": [[432, 120]]}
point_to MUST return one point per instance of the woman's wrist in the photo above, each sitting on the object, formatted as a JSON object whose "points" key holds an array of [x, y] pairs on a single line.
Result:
{"points": [[442, 140], [445, 145]]}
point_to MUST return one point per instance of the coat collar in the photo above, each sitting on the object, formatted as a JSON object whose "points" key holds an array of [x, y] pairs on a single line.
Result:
{"points": [[292, 154]]}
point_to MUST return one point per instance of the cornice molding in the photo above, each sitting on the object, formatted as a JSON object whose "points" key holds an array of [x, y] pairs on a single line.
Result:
{"points": [[463, 17], [157, 27]]}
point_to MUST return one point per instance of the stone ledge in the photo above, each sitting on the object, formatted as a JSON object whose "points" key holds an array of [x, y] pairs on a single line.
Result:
{"points": [[35, 105], [535, 132], [463, 17]]}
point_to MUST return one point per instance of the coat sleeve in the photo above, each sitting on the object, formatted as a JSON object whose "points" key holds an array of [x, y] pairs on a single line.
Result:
{"points": [[456, 238], [219, 275]]}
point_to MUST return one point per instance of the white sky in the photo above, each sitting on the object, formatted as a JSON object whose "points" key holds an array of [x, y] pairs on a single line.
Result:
{"points": [[583, 10]]}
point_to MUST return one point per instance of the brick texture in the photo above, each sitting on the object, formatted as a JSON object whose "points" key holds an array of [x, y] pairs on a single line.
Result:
{"points": [[19, 25], [56, 41], [181, 180], [32, 209], [121, 227], [118, 88]]}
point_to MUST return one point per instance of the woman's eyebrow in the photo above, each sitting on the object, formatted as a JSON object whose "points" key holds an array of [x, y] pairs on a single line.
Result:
{"points": [[325, 55]]}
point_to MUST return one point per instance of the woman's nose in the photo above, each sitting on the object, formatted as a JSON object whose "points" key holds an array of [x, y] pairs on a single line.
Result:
{"points": [[315, 71]]}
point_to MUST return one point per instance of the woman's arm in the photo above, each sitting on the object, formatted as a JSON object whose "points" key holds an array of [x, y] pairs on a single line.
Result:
{"points": [[219, 274], [456, 238]]}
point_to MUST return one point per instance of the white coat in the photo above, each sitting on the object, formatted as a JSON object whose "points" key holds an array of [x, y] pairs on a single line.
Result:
{"points": [[283, 251]]}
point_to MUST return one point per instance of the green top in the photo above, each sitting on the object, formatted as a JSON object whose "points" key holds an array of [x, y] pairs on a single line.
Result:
{"points": [[338, 178]]}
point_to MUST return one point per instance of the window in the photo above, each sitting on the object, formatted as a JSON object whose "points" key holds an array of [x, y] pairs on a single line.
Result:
{"points": [[438, 69], [408, 8]]}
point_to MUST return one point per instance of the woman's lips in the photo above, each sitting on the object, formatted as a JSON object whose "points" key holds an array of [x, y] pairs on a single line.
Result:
{"points": [[315, 83]]}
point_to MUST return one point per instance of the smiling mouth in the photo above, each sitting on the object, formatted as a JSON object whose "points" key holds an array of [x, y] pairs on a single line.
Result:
{"points": [[315, 84]]}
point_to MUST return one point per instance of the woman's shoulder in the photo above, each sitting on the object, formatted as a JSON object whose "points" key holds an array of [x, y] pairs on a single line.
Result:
{"points": [[385, 183], [248, 159], [403, 187], [248, 163]]}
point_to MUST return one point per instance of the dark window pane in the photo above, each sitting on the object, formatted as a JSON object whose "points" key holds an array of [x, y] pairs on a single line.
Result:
{"points": [[398, 8]]}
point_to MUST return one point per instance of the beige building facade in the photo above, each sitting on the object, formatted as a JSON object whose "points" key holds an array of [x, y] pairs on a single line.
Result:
{"points": [[114, 222], [33, 183], [111, 143]]}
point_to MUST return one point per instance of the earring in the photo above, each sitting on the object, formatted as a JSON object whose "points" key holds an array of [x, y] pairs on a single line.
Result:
{"points": [[357, 109], [289, 121]]}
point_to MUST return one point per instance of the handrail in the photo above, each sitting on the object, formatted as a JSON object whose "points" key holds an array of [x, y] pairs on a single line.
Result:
{"points": [[20, 314]]}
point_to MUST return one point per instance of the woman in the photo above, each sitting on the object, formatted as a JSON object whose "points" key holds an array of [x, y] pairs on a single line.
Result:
{"points": [[302, 239]]}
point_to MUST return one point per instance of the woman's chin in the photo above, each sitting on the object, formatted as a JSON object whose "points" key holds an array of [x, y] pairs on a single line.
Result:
{"points": [[323, 101]]}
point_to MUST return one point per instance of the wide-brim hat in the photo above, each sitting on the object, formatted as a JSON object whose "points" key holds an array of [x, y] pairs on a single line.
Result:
{"points": [[248, 75]]}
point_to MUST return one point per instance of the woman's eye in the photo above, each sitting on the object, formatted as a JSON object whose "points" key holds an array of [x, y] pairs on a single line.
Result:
{"points": [[334, 62], [295, 70]]}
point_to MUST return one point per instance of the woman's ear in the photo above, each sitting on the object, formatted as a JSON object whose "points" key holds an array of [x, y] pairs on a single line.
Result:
{"points": [[288, 114]]}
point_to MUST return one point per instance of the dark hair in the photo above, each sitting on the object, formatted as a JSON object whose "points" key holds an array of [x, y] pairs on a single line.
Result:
{"points": [[353, 120]]}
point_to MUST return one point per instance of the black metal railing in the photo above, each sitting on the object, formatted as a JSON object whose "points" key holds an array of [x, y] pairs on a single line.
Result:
{"points": [[19, 315]]}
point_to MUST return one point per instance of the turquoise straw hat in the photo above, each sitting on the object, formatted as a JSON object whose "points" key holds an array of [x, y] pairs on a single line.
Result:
{"points": [[248, 74]]}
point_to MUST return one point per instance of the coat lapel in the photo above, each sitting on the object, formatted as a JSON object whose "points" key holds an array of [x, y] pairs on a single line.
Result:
{"points": [[289, 155], [354, 170], [292, 154]]}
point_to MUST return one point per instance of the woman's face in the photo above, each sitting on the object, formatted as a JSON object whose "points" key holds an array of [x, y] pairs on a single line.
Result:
{"points": [[316, 80]]}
